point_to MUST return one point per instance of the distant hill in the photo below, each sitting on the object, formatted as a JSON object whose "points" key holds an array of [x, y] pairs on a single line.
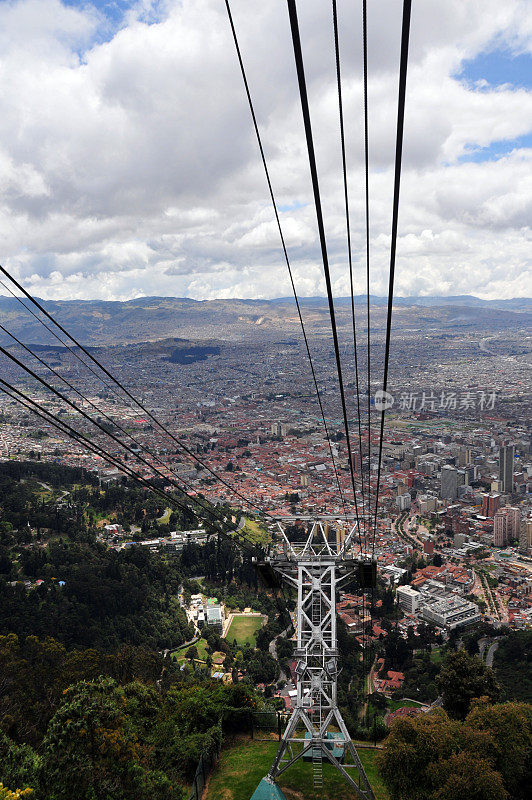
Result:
{"points": [[514, 304], [106, 323]]}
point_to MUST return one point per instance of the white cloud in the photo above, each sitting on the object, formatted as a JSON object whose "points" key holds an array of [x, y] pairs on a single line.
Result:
{"points": [[128, 163]]}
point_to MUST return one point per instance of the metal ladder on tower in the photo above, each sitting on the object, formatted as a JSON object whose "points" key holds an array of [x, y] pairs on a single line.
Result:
{"points": [[317, 768], [317, 755]]}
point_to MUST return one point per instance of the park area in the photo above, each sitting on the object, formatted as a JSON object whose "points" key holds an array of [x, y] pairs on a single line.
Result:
{"points": [[242, 765], [201, 646], [243, 628]]}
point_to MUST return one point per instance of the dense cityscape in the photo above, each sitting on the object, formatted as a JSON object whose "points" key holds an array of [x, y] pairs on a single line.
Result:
{"points": [[457, 457]]}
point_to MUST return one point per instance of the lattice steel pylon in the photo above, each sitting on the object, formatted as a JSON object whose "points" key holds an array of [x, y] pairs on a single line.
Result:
{"points": [[317, 566]]}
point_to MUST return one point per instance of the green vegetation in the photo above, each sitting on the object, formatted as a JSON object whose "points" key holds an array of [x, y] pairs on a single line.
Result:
{"points": [[512, 665], [255, 532], [488, 584], [243, 764], [200, 645], [135, 736], [165, 518], [485, 757], [393, 705], [462, 679], [243, 629]]}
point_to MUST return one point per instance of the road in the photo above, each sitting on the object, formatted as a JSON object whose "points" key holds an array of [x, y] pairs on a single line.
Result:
{"points": [[168, 651], [272, 647], [489, 647], [491, 653], [370, 688]]}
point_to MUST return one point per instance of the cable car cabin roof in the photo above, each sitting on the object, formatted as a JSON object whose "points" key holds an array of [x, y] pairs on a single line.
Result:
{"points": [[267, 791], [336, 746]]}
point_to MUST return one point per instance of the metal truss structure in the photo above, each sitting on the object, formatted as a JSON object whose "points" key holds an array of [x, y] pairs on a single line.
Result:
{"points": [[317, 567]]}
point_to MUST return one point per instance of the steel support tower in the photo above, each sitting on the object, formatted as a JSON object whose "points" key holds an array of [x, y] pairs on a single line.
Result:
{"points": [[317, 567]]}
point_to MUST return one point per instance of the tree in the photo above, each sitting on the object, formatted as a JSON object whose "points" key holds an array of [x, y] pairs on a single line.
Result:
{"points": [[18, 764], [485, 757], [413, 745], [92, 749], [18, 794], [464, 776], [463, 678], [506, 732]]}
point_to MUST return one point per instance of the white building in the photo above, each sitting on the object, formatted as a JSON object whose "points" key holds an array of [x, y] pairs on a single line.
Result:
{"points": [[449, 612], [409, 599]]}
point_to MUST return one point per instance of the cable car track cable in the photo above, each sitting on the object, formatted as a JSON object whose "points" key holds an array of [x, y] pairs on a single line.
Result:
{"points": [[298, 56], [79, 437], [133, 399], [283, 243], [349, 248], [405, 34]]}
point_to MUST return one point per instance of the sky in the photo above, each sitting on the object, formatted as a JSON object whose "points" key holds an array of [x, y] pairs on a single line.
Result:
{"points": [[129, 167]]}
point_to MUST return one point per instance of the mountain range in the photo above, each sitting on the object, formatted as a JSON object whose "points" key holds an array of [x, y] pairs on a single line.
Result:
{"points": [[104, 322]]}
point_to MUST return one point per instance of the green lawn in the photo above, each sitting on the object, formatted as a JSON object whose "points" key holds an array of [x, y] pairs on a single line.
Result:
{"points": [[201, 645], [393, 705], [243, 764], [254, 532], [435, 655], [165, 519], [243, 629]]}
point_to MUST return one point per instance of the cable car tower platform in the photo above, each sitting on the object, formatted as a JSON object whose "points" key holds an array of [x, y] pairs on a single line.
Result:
{"points": [[317, 567]]}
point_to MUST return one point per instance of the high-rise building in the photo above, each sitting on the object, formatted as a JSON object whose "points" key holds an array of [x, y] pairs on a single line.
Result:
{"points": [[514, 522], [525, 536], [500, 528], [464, 456], [403, 501], [490, 504], [408, 599], [506, 467], [506, 526], [449, 483], [470, 473]]}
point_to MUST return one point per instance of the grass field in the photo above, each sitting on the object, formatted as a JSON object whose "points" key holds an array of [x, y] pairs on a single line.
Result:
{"points": [[243, 629], [165, 518], [201, 646], [243, 765], [393, 705], [254, 532]]}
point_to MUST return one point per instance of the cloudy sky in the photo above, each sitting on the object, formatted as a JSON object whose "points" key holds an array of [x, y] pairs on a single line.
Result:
{"points": [[128, 164]]}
